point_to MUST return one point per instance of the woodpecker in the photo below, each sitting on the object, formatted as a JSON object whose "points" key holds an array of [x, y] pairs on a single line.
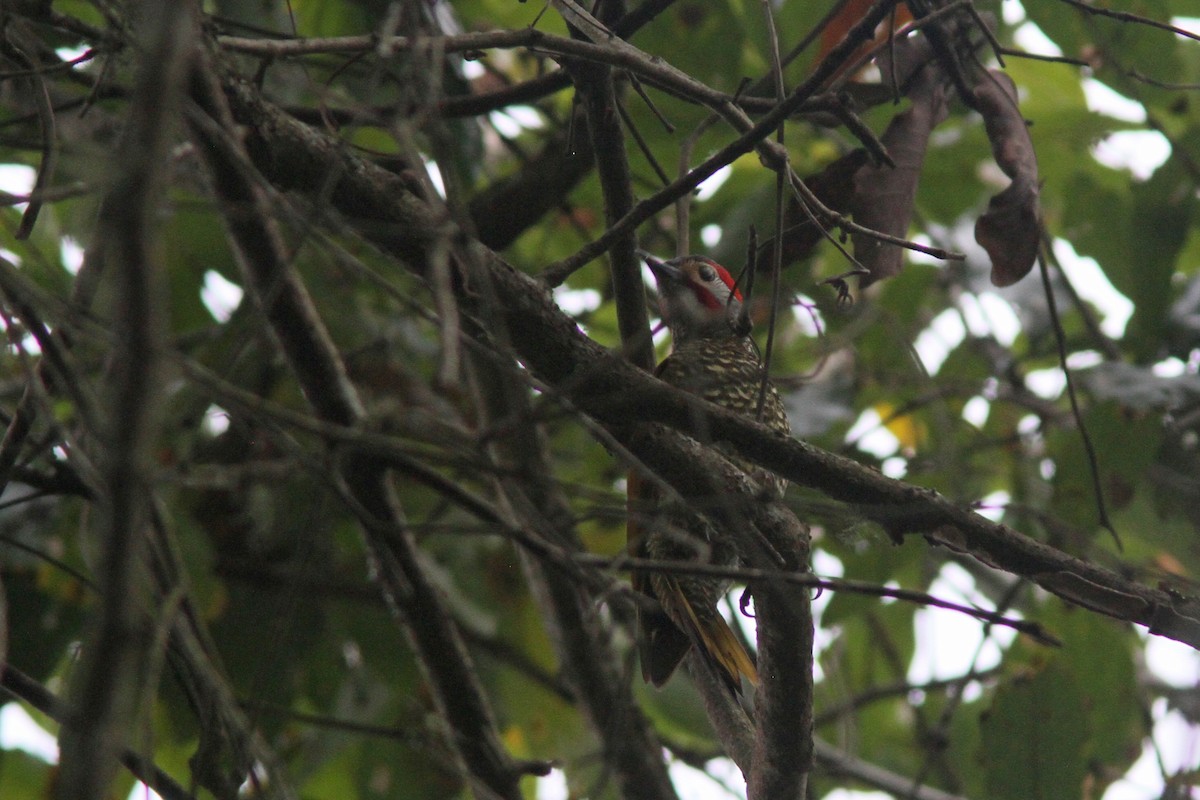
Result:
{"points": [[713, 356]]}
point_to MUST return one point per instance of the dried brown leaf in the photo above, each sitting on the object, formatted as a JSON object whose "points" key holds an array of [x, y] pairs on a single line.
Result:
{"points": [[1010, 229], [884, 196]]}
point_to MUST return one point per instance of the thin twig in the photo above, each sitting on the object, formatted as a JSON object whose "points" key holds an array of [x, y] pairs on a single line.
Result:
{"points": [[105, 688], [641, 141], [1125, 16], [1093, 461], [49, 134], [658, 114], [747, 574], [1070, 61], [753, 137]]}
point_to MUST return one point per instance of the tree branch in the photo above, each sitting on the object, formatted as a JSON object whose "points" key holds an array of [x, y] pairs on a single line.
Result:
{"points": [[769, 537], [595, 85], [107, 689], [550, 343]]}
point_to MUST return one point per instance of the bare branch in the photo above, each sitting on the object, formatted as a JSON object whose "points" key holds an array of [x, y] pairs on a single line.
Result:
{"points": [[608, 143], [106, 691], [552, 346], [1125, 16]]}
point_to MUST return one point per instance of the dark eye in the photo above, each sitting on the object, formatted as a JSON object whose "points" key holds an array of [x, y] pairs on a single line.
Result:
{"points": [[707, 273]]}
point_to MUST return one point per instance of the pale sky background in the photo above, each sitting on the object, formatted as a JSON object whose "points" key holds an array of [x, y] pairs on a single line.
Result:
{"points": [[946, 642]]}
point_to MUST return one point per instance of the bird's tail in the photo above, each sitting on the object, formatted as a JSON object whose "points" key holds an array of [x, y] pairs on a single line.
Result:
{"points": [[666, 636], [723, 650]]}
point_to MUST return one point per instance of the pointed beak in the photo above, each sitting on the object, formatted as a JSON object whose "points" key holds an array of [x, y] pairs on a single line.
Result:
{"points": [[661, 269]]}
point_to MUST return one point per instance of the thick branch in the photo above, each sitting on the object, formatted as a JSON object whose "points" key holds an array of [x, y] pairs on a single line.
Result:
{"points": [[784, 704], [595, 85], [597, 382], [769, 538], [107, 688]]}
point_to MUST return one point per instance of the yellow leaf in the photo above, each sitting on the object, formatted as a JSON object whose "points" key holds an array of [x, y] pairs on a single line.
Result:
{"points": [[514, 739], [911, 432]]}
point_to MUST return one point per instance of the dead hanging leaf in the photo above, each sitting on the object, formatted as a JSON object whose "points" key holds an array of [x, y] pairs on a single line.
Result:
{"points": [[884, 196], [1009, 230]]}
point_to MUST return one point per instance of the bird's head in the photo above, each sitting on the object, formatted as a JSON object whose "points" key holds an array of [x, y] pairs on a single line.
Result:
{"points": [[697, 298]]}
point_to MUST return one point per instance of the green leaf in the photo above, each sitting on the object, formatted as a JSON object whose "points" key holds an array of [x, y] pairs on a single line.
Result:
{"points": [[1164, 207], [1097, 661], [24, 775], [1125, 443], [1034, 737]]}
